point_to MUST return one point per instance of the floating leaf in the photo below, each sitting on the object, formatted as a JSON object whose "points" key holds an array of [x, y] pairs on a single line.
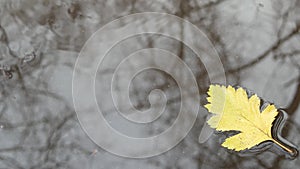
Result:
{"points": [[233, 111]]}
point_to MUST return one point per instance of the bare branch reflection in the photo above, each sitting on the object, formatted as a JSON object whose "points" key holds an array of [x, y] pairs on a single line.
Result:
{"points": [[38, 124]]}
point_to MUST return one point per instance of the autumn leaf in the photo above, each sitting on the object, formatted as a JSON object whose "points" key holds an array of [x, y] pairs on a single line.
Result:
{"points": [[233, 111]]}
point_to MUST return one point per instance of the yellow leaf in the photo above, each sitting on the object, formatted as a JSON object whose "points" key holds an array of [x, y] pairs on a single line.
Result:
{"points": [[233, 111]]}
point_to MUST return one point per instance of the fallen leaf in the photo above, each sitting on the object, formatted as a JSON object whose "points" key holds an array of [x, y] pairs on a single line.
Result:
{"points": [[233, 111]]}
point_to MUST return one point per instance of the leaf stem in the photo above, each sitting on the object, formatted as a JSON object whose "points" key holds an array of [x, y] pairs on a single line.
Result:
{"points": [[283, 146]]}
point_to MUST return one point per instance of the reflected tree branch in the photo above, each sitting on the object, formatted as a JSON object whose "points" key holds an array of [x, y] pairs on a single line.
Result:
{"points": [[274, 47], [293, 106]]}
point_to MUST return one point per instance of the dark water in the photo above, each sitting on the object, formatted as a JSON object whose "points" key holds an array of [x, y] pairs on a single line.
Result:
{"points": [[257, 43]]}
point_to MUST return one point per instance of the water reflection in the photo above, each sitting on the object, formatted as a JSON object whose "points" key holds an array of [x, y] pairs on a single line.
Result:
{"points": [[258, 44]]}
